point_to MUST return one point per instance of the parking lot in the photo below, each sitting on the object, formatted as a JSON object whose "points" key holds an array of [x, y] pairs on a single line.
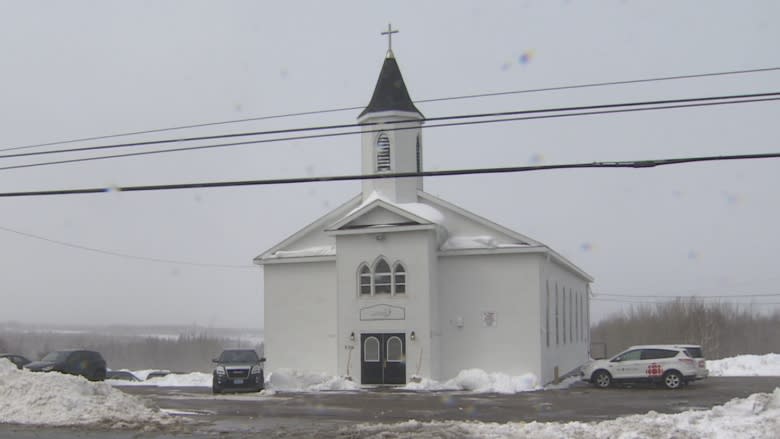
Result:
{"points": [[325, 414]]}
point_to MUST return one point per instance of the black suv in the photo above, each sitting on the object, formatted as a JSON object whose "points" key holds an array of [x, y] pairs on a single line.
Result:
{"points": [[89, 364], [238, 369]]}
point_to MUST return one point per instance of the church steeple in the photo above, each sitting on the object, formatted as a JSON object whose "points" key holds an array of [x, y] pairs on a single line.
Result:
{"points": [[390, 93], [392, 135]]}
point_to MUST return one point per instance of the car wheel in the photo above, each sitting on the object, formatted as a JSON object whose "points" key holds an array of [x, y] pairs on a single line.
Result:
{"points": [[216, 390], [602, 379], [673, 380]]}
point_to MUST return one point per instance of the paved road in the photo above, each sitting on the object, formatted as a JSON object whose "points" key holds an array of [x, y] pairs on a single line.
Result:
{"points": [[324, 414]]}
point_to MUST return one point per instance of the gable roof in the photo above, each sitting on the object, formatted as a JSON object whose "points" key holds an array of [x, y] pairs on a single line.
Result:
{"points": [[459, 232], [317, 244], [390, 93]]}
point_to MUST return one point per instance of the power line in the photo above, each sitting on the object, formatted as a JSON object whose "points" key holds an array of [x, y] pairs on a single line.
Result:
{"points": [[396, 123], [352, 108], [345, 133], [122, 255], [638, 164]]}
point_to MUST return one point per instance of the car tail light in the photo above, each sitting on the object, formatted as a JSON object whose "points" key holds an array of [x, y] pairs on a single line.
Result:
{"points": [[701, 363]]}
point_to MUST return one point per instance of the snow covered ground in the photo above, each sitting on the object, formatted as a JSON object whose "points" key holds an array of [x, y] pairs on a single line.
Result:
{"points": [[746, 365], [60, 400], [754, 417]]}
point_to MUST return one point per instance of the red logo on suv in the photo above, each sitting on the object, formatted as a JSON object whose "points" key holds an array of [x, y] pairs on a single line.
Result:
{"points": [[655, 370]]}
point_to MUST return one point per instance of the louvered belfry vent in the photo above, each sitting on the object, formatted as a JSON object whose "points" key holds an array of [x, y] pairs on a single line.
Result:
{"points": [[382, 153]]}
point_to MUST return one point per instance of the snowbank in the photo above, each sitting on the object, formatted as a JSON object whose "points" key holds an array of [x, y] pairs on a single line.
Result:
{"points": [[59, 400], [479, 381], [193, 379], [754, 417], [746, 365], [297, 381]]}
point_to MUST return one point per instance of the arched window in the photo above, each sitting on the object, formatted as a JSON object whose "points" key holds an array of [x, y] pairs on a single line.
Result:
{"points": [[371, 350], [419, 154], [382, 278], [395, 350], [399, 279], [365, 280], [382, 153]]}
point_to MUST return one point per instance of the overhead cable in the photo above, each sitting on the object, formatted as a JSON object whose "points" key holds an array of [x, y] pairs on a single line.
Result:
{"points": [[773, 97], [123, 255], [353, 108], [637, 164], [502, 114]]}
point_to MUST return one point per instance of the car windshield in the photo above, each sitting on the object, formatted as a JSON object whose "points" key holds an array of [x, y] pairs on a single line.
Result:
{"points": [[56, 356], [238, 357]]}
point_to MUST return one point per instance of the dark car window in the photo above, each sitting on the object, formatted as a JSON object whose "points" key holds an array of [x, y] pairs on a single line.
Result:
{"points": [[238, 357], [655, 354], [695, 352], [629, 356], [56, 357]]}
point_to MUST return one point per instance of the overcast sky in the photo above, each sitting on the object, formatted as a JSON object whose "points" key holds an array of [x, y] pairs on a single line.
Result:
{"points": [[88, 68]]}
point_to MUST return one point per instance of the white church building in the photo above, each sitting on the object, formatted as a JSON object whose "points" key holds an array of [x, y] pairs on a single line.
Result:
{"points": [[396, 283]]}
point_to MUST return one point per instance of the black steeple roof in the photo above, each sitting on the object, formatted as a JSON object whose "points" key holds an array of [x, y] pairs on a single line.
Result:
{"points": [[390, 92]]}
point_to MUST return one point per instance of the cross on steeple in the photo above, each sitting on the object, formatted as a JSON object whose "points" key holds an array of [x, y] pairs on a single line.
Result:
{"points": [[389, 34]]}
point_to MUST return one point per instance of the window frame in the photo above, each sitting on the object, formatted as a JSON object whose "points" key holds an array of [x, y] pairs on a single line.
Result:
{"points": [[395, 279]]}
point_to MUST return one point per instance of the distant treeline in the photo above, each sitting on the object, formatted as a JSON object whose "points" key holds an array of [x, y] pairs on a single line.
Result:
{"points": [[723, 330], [185, 353]]}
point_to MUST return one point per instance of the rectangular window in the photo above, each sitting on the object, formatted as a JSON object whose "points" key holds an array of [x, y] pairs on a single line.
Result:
{"points": [[382, 283], [547, 315], [571, 316], [564, 314], [400, 283], [576, 322], [365, 282], [557, 325]]}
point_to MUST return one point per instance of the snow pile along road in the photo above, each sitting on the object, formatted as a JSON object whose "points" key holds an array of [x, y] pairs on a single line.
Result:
{"points": [[56, 399], [746, 365], [754, 417], [192, 379], [297, 381], [479, 381]]}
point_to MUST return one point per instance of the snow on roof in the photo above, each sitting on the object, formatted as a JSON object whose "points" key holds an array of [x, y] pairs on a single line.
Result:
{"points": [[472, 242], [325, 250], [424, 211]]}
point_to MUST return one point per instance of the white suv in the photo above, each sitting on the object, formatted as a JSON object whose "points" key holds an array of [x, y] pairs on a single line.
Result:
{"points": [[667, 364]]}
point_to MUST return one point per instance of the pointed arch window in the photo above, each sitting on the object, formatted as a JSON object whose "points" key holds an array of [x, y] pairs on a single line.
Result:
{"points": [[382, 153], [382, 278], [399, 278], [365, 280]]}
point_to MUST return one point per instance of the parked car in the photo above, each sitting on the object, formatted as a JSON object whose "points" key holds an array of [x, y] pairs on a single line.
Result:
{"points": [[89, 364], [18, 360], [236, 370], [669, 365], [697, 353], [121, 375]]}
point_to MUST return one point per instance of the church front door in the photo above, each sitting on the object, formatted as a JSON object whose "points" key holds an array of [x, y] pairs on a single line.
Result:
{"points": [[383, 359]]}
